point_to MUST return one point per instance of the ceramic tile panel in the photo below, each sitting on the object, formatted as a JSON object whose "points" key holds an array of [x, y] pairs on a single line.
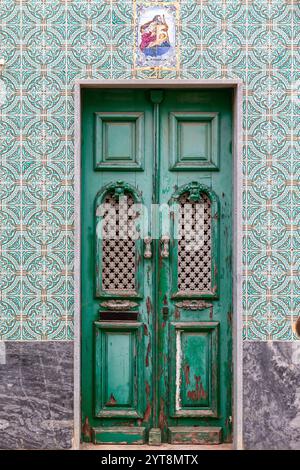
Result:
{"points": [[46, 46]]}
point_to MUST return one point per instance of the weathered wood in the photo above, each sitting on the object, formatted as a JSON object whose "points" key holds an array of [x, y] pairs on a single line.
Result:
{"points": [[195, 435], [119, 141], [154, 437], [195, 365], [119, 377], [118, 435], [173, 370]]}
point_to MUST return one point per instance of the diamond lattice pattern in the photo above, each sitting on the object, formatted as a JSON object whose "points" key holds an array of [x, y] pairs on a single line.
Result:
{"points": [[194, 245], [118, 248]]}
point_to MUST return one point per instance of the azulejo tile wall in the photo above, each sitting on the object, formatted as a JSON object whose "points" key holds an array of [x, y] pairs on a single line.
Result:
{"points": [[46, 45]]}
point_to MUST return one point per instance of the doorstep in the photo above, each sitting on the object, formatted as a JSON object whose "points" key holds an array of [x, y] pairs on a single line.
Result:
{"points": [[85, 446]]}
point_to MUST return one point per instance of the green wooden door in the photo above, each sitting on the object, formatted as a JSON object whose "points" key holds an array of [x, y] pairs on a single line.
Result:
{"points": [[156, 266]]}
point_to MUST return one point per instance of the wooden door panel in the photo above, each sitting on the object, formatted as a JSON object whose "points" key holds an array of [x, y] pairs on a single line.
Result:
{"points": [[118, 370], [119, 260], [133, 435], [119, 141], [195, 242], [117, 286], [207, 435], [156, 314], [195, 304], [194, 141], [194, 369]]}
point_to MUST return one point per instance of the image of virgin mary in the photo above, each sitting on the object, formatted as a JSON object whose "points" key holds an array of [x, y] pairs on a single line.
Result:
{"points": [[154, 37]]}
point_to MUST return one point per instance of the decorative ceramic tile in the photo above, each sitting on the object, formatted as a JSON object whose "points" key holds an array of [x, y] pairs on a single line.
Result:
{"points": [[156, 43], [48, 44]]}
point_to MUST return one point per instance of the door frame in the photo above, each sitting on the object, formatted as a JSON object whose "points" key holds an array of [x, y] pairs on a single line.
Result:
{"points": [[237, 353]]}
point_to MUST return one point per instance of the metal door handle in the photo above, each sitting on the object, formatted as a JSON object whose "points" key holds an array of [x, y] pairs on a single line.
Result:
{"points": [[165, 239], [148, 251]]}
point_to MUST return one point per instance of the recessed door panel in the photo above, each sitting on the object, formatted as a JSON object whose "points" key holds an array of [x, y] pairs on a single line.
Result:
{"points": [[118, 369], [119, 141], [194, 373], [194, 141]]}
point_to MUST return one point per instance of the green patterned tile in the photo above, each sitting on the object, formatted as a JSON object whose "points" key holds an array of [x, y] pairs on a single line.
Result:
{"points": [[47, 45]]}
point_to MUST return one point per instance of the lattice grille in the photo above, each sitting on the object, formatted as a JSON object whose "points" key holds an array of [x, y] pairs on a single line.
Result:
{"points": [[118, 253], [194, 245]]}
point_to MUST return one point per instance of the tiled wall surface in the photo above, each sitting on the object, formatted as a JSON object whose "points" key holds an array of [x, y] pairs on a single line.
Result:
{"points": [[46, 45]]}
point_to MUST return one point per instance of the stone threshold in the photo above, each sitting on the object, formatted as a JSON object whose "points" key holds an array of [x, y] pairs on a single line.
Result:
{"points": [[146, 447]]}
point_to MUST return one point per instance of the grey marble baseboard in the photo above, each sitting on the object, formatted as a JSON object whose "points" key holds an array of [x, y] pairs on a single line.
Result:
{"points": [[271, 395], [36, 395]]}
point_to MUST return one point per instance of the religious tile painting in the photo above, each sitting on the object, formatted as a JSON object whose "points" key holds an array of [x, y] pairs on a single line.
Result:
{"points": [[156, 38]]}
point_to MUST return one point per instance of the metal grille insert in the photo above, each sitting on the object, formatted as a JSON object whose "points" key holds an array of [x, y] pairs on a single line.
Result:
{"points": [[118, 253], [194, 245]]}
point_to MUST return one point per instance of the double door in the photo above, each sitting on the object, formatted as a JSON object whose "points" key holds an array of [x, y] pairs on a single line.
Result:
{"points": [[156, 253]]}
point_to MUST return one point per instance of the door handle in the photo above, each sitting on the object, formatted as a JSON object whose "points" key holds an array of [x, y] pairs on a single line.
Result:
{"points": [[165, 312], [148, 251], [165, 239]]}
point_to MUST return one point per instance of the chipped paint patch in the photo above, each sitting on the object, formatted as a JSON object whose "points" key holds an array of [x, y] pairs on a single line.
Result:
{"points": [[178, 369]]}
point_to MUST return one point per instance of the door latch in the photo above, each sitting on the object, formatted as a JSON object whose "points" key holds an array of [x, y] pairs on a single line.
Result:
{"points": [[165, 246], [165, 312], [147, 252]]}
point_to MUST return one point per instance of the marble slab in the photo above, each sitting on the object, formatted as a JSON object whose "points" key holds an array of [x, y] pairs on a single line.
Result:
{"points": [[271, 395], [36, 395]]}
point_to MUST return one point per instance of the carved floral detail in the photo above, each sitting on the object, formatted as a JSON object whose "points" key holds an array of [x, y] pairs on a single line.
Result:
{"points": [[118, 304], [193, 304]]}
